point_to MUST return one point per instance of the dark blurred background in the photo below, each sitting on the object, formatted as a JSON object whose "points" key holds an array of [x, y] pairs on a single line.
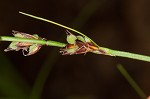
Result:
{"points": [[116, 24]]}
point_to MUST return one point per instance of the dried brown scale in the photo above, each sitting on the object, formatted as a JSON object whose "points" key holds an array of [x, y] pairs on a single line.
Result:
{"points": [[64, 49], [33, 52], [29, 48], [82, 48], [25, 35]]}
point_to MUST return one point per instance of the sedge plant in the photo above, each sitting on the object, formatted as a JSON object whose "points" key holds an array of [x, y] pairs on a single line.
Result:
{"points": [[79, 44], [75, 44]]}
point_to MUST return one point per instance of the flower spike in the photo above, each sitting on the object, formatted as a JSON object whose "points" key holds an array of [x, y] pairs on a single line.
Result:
{"points": [[30, 48], [79, 45]]}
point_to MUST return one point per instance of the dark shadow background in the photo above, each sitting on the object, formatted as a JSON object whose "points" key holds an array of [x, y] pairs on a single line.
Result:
{"points": [[116, 24]]}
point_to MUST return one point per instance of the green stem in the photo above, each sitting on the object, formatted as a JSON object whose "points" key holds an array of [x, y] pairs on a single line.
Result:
{"points": [[59, 44], [43, 42], [66, 27], [129, 55], [131, 81], [109, 51], [43, 75]]}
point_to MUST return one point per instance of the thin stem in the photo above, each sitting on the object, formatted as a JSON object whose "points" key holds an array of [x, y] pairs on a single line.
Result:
{"points": [[66, 27], [59, 44], [129, 55], [109, 51], [131, 81], [43, 75], [54, 55], [43, 42]]}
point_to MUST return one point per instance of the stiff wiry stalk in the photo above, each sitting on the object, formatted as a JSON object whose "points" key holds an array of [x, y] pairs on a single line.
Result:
{"points": [[43, 42], [109, 51]]}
